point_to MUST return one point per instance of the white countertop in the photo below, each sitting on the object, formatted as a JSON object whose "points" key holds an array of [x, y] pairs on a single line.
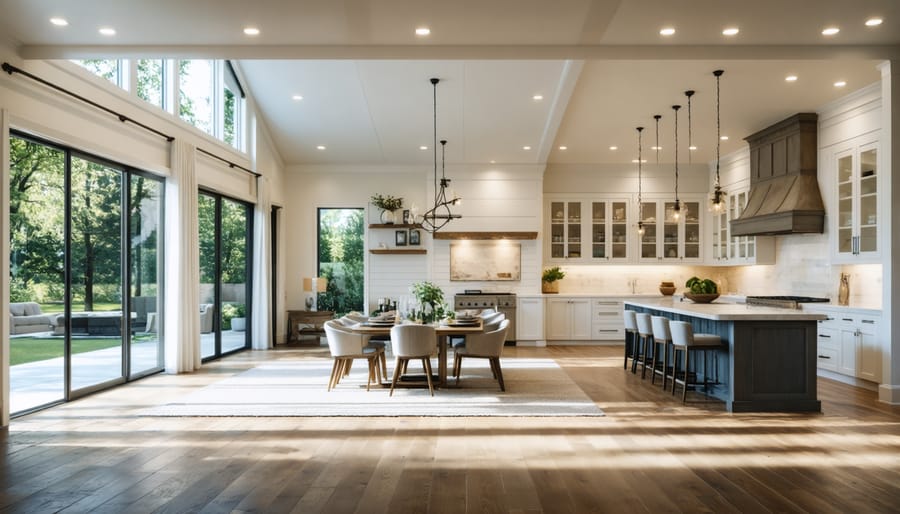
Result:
{"points": [[720, 311]]}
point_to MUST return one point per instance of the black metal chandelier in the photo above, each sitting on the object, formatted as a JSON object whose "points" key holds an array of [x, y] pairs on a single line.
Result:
{"points": [[440, 214]]}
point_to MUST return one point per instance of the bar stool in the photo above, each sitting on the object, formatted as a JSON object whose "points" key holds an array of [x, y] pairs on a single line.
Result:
{"points": [[661, 336], [631, 335], [645, 333], [685, 340]]}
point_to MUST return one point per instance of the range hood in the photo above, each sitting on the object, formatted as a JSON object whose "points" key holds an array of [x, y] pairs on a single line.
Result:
{"points": [[784, 193]]}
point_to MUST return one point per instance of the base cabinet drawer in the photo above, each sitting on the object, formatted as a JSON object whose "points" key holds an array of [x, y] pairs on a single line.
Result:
{"points": [[608, 333], [827, 359]]}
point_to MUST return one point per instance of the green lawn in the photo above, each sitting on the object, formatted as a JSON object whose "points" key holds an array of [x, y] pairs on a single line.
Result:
{"points": [[31, 349], [79, 307]]}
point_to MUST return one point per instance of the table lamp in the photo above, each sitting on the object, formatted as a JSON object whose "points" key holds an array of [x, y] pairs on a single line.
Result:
{"points": [[313, 286]]}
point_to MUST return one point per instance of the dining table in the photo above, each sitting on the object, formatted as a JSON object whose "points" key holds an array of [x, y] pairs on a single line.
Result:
{"points": [[444, 331]]}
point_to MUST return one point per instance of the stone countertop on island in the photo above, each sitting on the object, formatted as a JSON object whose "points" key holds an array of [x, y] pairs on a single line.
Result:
{"points": [[724, 311]]}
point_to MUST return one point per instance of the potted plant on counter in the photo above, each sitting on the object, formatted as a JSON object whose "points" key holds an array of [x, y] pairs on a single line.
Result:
{"points": [[550, 279], [701, 290], [388, 204]]}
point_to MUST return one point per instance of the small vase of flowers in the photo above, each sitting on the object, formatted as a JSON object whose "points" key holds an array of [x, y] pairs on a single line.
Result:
{"points": [[388, 204], [431, 302]]}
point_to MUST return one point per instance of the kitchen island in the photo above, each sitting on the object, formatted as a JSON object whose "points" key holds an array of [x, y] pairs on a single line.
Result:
{"points": [[770, 364]]}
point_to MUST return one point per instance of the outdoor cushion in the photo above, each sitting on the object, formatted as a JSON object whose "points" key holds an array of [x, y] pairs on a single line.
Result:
{"points": [[32, 309], [17, 309]]}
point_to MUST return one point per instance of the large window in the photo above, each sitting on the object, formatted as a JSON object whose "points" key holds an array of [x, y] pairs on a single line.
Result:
{"points": [[340, 249], [195, 93], [151, 80], [225, 260], [83, 232], [233, 106], [110, 69]]}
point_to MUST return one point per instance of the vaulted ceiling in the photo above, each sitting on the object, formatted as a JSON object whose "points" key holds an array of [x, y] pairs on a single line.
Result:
{"points": [[601, 67]]}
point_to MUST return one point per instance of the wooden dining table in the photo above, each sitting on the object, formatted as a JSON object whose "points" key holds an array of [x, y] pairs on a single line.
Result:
{"points": [[443, 333]]}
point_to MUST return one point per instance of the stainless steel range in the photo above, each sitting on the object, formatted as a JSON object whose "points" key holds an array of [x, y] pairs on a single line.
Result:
{"points": [[787, 302], [502, 302]]}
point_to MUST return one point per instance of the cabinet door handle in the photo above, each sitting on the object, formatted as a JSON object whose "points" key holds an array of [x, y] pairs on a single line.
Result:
{"points": [[824, 357], [608, 303], [607, 330], [847, 319], [869, 321], [825, 336]]}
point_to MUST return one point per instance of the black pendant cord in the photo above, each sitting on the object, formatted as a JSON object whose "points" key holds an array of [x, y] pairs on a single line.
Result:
{"points": [[434, 143], [718, 74], [657, 117], [689, 93], [640, 223], [9, 68], [677, 201]]}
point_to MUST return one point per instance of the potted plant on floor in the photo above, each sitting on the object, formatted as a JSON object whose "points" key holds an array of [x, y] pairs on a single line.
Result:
{"points": [[550, 279], [388, 204], [233, 317]]}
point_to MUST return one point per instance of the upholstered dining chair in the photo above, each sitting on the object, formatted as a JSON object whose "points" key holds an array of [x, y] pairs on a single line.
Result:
{"points": [[411, 341], [350, 319], [486, 345], [346, 346]]}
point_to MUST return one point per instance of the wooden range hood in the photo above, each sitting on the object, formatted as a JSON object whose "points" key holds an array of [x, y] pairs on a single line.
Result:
{"points": [[486, 236], [784, 193]]}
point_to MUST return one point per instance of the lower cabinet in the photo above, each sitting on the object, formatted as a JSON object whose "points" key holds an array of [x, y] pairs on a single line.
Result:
{"points": [[530, 319], [848, 343], [607, 323], [568, 319]]}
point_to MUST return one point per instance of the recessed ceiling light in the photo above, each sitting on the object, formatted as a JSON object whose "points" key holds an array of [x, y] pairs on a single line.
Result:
{"points": [[840, 83], [666, 31], [563, 147], [423, 147], [526, 148], [59, 22], [635, 160], [656, 148], [613, 148], [873, 22], [830, 31], [107, 31], [537, 97], [692, 148], [724, 138], [251, 31], [790, 78], [297, 98], [423, 31], [493, 161], [320, 147], [730, 31]]}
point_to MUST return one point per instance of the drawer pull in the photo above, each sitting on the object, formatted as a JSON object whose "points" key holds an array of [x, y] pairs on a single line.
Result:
{"points": [[869, 321], [847, 319], [607, 303], [825, 336], [824, 357], [602, 313], [607, 330]]}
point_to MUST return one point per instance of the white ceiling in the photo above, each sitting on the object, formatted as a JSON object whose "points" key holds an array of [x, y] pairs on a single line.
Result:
{"points": [[601, 67]]}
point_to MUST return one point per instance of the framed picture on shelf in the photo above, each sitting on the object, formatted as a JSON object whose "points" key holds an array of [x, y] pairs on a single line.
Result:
{"points": [[406, 220], [400, 237], [415, 237]]}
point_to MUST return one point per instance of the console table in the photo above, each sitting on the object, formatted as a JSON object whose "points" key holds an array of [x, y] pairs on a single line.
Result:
{"points": [[307, 323]]}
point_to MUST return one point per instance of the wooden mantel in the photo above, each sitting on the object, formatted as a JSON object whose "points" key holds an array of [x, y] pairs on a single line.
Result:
{"points": [[485, 236]]}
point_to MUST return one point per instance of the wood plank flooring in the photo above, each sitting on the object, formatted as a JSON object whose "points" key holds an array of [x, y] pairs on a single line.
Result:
{"points": [[649, 454]]}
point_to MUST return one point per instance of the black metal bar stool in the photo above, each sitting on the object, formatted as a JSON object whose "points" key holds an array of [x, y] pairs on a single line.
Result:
{"points": [[684, 340], [631, 336], [645, 333], [661, 336]]}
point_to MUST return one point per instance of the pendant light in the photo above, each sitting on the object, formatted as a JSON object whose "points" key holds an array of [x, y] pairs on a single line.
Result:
{"points": [[677, 209], [640, 224], [717, 202], [439, 215]]}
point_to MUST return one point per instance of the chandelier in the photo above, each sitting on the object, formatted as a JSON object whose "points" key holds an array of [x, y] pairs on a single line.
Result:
{"points": [[440, 214], [717, 202]]}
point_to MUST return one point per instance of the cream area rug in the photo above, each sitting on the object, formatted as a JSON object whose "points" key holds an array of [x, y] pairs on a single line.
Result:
{"points": [[534, 387]]}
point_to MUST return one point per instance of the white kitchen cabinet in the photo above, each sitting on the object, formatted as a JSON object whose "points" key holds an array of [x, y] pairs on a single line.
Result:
{"points": [[565, 229], [857, 224], [587, 231], [670, 235], [728, 250], [848, 343], [568, 319], [609, 231], [530, 319], [607, 323]]}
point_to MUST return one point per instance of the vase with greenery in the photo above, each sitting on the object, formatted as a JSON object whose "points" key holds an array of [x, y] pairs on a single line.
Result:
{"points": [[388, 204], [430, 300], [550, 279]]}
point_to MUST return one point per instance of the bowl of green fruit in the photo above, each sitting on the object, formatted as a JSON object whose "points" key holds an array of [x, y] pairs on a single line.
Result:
{"points": [[701, 290]]}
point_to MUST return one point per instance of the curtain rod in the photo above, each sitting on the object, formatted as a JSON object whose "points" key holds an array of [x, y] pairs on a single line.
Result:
{"points": [[9, 68], [229, 163]]}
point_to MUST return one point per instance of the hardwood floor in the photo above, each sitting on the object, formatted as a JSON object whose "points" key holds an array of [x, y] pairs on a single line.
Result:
{"points": [[649, 454]]}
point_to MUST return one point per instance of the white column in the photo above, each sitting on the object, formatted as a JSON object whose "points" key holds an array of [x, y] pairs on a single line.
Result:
{"points": [[889, 390]]}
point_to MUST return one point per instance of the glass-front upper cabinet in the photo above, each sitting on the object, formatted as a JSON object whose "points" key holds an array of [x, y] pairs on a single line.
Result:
{"points": [[670, 234], [731, 250], [857, 202], [565, 230], [609, 230], [742, 247]]}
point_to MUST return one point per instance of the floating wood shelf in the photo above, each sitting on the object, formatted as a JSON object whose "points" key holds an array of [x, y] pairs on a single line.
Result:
{"points": [[485, 236], [397, 251], [395, 225]]}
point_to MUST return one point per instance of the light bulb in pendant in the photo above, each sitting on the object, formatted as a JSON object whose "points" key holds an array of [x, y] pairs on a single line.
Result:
{"points": [[641, 229]]}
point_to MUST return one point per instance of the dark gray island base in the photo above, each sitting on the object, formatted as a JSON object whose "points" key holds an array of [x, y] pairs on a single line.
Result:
{"points": [[770, 365]]}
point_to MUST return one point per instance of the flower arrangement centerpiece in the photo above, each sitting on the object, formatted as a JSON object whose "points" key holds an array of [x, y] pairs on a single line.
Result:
{"points": [[388, 204], [431, 302], [549, 279]]}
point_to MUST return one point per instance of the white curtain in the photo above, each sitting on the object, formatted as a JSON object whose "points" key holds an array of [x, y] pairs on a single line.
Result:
{"points": [[261, 329], [4, 266], [182, 278]]}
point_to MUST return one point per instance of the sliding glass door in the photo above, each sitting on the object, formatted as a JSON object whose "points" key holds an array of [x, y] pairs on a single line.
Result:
{"points": [[83, 232], [225, 312]]}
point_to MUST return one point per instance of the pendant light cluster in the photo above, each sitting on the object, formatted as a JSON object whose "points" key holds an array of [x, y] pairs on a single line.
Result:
{"points": [[717, 201], [439, 215]]}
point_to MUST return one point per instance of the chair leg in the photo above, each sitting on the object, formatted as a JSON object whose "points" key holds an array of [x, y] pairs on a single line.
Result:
{"points": [[397, 365], [653, 362], [383, 365], [665, 364], [627, 339], [457, 366], [675, 352], [334, 371], [496, 366], [426, 363], [371, 373], [687, 367], [646, 350]]}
